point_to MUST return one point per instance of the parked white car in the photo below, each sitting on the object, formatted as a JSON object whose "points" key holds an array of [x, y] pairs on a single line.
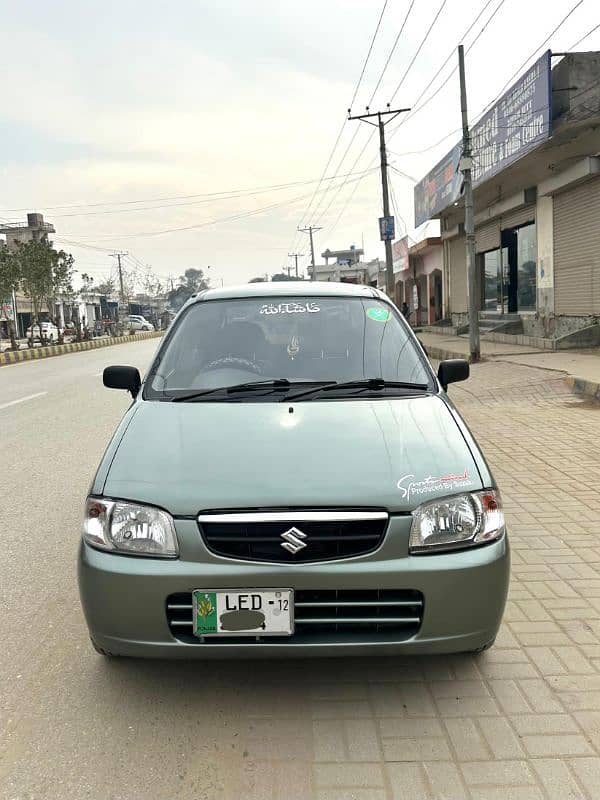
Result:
{"points": [[49, 331], [138, 323]]}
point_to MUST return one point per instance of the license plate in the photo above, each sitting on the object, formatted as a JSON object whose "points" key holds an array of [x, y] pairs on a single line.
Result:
{"points": [[243, 612]]}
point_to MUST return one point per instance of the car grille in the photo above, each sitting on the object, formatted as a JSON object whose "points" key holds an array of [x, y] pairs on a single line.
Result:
{"points": [[323, 615], [294, 536]]}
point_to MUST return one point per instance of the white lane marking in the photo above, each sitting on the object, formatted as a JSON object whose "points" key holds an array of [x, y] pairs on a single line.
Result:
{"points": [[22, 400]]}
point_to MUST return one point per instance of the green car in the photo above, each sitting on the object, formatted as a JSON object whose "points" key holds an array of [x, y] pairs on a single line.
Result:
{"points": [[292, 479]]}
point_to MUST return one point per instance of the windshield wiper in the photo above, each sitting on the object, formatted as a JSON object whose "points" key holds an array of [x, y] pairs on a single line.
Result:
{"points": [[275, 384], [374, 384], [237, 387]]}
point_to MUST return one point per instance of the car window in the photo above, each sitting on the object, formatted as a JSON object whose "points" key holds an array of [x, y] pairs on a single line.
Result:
{"points": [[225, 342]]}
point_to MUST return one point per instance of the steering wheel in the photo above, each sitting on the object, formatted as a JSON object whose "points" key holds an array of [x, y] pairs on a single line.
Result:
{"points": [[236, 362]]}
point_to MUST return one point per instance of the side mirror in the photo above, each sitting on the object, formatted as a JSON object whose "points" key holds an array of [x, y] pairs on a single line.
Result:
{"points": [[122, 378], [453, 370]]}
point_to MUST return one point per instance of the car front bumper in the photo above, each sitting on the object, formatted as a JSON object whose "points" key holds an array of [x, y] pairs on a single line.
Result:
{"points": [[124, 598]]}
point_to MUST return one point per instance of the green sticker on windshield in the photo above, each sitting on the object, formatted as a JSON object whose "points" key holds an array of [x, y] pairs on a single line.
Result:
{"points": [[379, 314]]}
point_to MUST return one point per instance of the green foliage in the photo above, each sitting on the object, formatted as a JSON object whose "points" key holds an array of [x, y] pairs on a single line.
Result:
{"points": [[190, 282], [282, 276], [43, 273]]}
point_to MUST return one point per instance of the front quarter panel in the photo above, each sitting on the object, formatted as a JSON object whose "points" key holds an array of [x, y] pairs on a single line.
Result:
{"points": [[485, 472], [99, 480]]}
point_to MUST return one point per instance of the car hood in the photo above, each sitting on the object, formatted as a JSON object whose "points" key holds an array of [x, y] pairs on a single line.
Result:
{"points": [[393, 453]]}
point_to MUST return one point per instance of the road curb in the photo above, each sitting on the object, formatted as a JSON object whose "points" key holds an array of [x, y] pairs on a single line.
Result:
{"points": [[584, 388], [32, 354], [440, 353]]}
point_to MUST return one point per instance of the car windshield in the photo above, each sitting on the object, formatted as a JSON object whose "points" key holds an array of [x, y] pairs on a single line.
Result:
{"points": [[295, 339]]}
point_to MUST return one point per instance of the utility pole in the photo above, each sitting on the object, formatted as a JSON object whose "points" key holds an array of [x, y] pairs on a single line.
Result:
{"points": [[310, 230], [386, 223], [295, 256], [466, 162], [118, 255]]}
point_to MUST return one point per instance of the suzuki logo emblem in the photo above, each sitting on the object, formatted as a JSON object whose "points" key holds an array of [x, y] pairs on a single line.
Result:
{"points": [[293, 540]]}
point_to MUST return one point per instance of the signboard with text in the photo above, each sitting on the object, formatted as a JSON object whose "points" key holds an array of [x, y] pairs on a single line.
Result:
{"points": [[400, 254], [439, 188], [517, 123]]}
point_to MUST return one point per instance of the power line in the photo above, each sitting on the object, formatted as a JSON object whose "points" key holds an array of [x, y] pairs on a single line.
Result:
{"points": [[416, 106], [529, 57], [304, 217], [369, 53], [391, 53], [414, 58], [207, 223], [316, 221], [585, 36], [424, 39], [210, 197]]}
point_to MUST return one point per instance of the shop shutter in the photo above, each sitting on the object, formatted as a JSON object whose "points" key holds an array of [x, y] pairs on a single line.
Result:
{"points": [[577, 250], [457, 270], [512, 219], [487, 236]]}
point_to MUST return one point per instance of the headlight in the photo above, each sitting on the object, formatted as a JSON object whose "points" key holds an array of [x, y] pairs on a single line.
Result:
{"points": [[129, 528], [456, 522]]}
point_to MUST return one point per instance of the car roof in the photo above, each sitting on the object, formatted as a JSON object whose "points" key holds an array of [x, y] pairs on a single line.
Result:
{"points": [[290, 288]]}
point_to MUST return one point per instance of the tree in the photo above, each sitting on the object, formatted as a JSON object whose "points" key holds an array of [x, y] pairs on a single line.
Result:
{"points": [[191, 282], [106, 288], [9, 281], [151, 283], [257, 280], [282, 276], [43, 274]]}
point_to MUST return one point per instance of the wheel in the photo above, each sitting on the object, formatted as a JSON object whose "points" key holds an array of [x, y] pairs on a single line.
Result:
{"points": [[101, 651]]}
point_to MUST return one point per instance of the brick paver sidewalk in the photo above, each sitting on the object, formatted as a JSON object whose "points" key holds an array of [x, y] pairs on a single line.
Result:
{"points": [[519, 722]]}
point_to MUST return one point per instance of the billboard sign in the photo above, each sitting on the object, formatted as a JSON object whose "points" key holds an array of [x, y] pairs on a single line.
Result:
{"points": [[439, 188], [516, 124], [400, 254]]}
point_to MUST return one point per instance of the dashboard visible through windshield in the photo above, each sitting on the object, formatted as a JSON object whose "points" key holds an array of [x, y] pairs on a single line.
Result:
{"points": [[292, 340]]}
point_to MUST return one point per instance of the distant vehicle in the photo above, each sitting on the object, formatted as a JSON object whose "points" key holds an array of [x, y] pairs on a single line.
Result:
{"points": [[138, 323], [49, 331]]}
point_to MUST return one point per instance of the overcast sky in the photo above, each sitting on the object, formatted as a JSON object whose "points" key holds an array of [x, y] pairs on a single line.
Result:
{"points": [[105, 103]]}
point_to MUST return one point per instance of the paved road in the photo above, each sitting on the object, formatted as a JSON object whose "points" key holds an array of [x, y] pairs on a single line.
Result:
{"points": [[521, 721]]}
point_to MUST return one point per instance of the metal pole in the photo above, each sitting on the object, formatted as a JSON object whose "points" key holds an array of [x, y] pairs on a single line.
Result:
{"points": [[465, 166], [389, 266], [121, 278], [383, 118], [310, 230]]}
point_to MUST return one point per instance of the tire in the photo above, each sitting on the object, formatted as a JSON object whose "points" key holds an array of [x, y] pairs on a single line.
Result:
{"points": [[101, 651]]}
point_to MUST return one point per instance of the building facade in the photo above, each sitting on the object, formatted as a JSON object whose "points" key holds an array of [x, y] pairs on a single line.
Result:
{"points": [[536, 168], [18, 308], [418, 276], [347, 266]]}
